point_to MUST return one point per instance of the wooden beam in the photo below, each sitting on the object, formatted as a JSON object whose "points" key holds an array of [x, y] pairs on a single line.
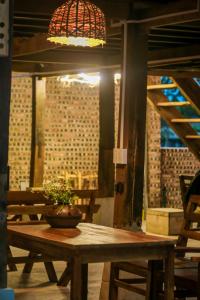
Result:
{"points": [[38, 143], [130, 176], [155, 58], [68, 57], [190, 90], [107, 132], [175, 54], [56, 70], [5, 93], [178, 73], [25, 46]]}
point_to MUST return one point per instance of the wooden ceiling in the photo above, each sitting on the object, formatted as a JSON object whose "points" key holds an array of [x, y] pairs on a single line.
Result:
{"points": [[173, 29]]}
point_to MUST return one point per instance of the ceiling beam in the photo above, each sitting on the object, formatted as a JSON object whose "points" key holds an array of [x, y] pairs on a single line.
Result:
{"points": [[175, 54], [176, 73], [69, 58], [54, 70], [34, 50]]}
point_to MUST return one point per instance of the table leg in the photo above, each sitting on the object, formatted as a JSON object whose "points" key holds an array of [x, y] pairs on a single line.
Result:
{"points": [[113, 289], [169, 276], [153, 285], [79, 280], [76, 280], [84, 273]]}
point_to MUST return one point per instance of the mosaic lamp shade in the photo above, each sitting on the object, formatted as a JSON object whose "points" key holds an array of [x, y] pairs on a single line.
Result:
{"points": [[78, 23]]}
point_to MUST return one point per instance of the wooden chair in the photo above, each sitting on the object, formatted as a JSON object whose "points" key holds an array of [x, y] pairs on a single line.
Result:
{"points": [[34, 206], [185, 182], [187, 269]]}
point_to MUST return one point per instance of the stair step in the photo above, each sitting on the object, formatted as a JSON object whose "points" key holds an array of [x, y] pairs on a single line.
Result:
{"points": [[162, 86], [192, 137], [175, 103], [186, 120]]}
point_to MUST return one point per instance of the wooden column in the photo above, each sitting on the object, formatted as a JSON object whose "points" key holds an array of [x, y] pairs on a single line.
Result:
{"points": [[5, 91], [38, 143], [130, 176], [107, 131]]}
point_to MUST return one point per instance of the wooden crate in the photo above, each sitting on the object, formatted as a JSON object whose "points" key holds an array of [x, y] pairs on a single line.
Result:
{"points": [[165, 221]]}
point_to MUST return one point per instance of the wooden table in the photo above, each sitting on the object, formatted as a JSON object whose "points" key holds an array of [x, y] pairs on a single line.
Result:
{"points": [[89, 243]]}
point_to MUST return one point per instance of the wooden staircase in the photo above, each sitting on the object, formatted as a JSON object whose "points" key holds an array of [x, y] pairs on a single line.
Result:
{"points": [[172, 116]]}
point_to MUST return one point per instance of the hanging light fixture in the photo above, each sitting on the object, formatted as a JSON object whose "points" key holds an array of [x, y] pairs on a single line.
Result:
{"points": [[78, 23]]}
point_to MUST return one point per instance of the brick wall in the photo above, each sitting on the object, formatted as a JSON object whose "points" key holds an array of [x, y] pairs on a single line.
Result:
{"points": [[72, 136], [20, 131], [175, 162], [71, 129]]}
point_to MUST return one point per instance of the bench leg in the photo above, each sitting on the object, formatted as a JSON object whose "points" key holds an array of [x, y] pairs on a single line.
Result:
{"points": [[51, 271], [12, 267], [28, 266], [66, 276]]}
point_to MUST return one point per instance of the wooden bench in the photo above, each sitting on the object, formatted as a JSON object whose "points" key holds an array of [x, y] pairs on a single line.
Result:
{"points": [[29, 208]]}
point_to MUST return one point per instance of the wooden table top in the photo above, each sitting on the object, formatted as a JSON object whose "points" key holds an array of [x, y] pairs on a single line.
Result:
{"points": [[87, 235]]}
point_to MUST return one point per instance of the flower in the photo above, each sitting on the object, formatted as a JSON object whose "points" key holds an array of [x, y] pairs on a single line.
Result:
{"points": [[59, 191]]}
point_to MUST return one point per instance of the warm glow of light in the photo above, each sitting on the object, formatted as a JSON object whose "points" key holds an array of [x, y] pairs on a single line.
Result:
{"points": [[91, 79], [76, 41], [117, 76]]}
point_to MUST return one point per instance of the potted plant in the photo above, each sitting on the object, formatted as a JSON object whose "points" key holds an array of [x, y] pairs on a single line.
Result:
{"points": [[63, 213]]}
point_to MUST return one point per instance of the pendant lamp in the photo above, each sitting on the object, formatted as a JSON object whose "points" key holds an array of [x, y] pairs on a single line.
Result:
{"points": [[78, 23]]}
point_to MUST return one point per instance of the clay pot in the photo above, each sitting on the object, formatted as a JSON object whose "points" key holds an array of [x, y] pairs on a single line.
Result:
{"points": [[64, 216]]}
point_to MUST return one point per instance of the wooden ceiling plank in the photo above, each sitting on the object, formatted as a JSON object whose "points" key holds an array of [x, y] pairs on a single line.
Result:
{"points": [[31, 45]]}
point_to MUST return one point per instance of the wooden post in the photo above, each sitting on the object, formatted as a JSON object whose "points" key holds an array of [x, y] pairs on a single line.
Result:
{"points": [[130, 175], [5, 91], [38, 143], [107, 131]]}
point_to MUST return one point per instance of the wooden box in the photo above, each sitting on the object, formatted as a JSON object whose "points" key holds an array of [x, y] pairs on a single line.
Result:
{"points": [[164, 221]]}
